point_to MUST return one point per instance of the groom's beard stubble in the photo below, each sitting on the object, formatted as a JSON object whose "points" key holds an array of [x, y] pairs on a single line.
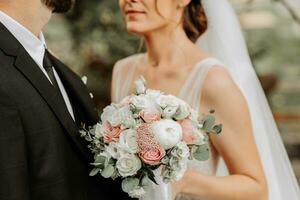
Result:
{"points": [[59, 6]]}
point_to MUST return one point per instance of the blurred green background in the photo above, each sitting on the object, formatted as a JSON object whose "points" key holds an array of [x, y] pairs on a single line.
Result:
{"points": [[92, 37]]}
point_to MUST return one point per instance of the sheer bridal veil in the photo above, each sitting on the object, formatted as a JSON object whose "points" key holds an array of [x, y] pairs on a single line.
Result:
{"points": [[224, 41]]}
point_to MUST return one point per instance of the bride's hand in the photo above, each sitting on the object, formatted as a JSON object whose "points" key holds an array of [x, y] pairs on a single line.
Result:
{"points": [[178, 187]]}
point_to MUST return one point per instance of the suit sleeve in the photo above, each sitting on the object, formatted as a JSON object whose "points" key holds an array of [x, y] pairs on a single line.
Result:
{"points": [[14, 183]]}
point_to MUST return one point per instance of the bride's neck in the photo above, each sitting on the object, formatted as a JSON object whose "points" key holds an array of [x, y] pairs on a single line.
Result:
{"points": [[166, 47]]}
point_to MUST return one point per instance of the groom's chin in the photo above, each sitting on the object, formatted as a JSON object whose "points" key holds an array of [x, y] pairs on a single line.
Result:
{"points": [[59, 6]]}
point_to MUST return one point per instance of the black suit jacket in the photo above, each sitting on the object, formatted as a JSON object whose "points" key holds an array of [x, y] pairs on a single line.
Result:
{"points": [[42, 156]]}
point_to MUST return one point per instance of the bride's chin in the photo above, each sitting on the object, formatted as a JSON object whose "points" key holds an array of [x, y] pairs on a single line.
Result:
{"points": [[135, 31]]}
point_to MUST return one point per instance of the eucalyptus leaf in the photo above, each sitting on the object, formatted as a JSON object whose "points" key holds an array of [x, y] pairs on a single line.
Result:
{"points": [[217, 129], [151, 176], [115, 175], [208, 123], [212, 111], [129, 184], [108, 171], [94, 171], [202, 152], [99, 161]]}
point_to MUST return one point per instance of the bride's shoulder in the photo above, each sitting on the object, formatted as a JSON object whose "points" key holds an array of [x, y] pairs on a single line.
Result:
{"points": [[125, 63], [218, 82]]}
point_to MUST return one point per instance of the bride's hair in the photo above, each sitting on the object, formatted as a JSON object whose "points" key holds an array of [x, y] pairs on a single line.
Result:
{"points": [[194, 20]]}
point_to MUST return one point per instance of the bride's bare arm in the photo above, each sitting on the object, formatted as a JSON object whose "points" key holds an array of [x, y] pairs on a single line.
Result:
{"points": [[235, 144]]}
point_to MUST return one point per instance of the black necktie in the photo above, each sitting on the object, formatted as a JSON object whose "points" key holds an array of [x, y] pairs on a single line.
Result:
{"points": [[48, 66]]}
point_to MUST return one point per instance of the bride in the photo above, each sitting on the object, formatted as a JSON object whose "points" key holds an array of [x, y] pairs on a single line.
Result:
{"points": [[195, 51]]}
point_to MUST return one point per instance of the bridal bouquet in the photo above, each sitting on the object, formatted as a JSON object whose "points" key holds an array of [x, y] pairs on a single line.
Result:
{"points": [[145, 132]]}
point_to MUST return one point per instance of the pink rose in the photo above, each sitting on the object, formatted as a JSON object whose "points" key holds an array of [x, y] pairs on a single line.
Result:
{"points": [[152, 156], [188, 129], [110, 133], [150, 115]]}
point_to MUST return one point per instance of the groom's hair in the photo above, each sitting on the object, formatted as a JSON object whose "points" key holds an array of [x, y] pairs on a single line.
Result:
{"points": [[59, 6]]}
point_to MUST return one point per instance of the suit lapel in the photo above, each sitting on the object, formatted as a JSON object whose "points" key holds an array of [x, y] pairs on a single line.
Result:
{"points": [[77, 92], [27, 66]]}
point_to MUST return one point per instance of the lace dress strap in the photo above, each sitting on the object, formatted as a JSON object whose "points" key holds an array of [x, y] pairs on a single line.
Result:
{"points": [[125, 73], [191, 90]]}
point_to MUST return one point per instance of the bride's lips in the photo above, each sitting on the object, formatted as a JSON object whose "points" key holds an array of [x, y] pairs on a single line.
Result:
{"points": [[132, 12]]}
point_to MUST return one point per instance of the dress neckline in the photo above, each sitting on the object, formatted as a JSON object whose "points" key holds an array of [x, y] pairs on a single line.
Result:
{"points": [[189, 76]]}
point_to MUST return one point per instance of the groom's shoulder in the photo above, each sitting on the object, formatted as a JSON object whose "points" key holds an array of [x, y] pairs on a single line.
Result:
{"points": [[127, 62]]}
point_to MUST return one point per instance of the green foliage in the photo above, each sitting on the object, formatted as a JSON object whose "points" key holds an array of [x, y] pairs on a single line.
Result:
{"points": [[129, 184], [201, 153]]}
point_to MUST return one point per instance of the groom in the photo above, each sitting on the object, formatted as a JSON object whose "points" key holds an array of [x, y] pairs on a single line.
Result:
{"points": [[42, 104]]}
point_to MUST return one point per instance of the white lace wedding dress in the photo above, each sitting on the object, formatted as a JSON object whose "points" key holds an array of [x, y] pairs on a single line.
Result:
{"points": [[191, 93], [228, 45]]}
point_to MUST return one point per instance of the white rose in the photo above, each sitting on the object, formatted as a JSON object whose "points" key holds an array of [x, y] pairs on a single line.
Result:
{"points": [[111, 114], [128, 164], [153, 94], [141, 102], [137, 193], [167, 133], [98, 130], [107, 112], [128, 141], [140, 86]]}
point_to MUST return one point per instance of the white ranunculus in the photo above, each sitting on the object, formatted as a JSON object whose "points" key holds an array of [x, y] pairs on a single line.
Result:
{"points": [[169, 112], [128, 165], [112, 150], [174, 162], [183, 111], [182, 150], [167, 101], [128, 141], [167, 133], [140, 86], [179, 172], [137, 192], [141, 102]]}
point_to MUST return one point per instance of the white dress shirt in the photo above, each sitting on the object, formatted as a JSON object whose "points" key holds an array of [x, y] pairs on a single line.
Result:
{"points": [[35, 46]]}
